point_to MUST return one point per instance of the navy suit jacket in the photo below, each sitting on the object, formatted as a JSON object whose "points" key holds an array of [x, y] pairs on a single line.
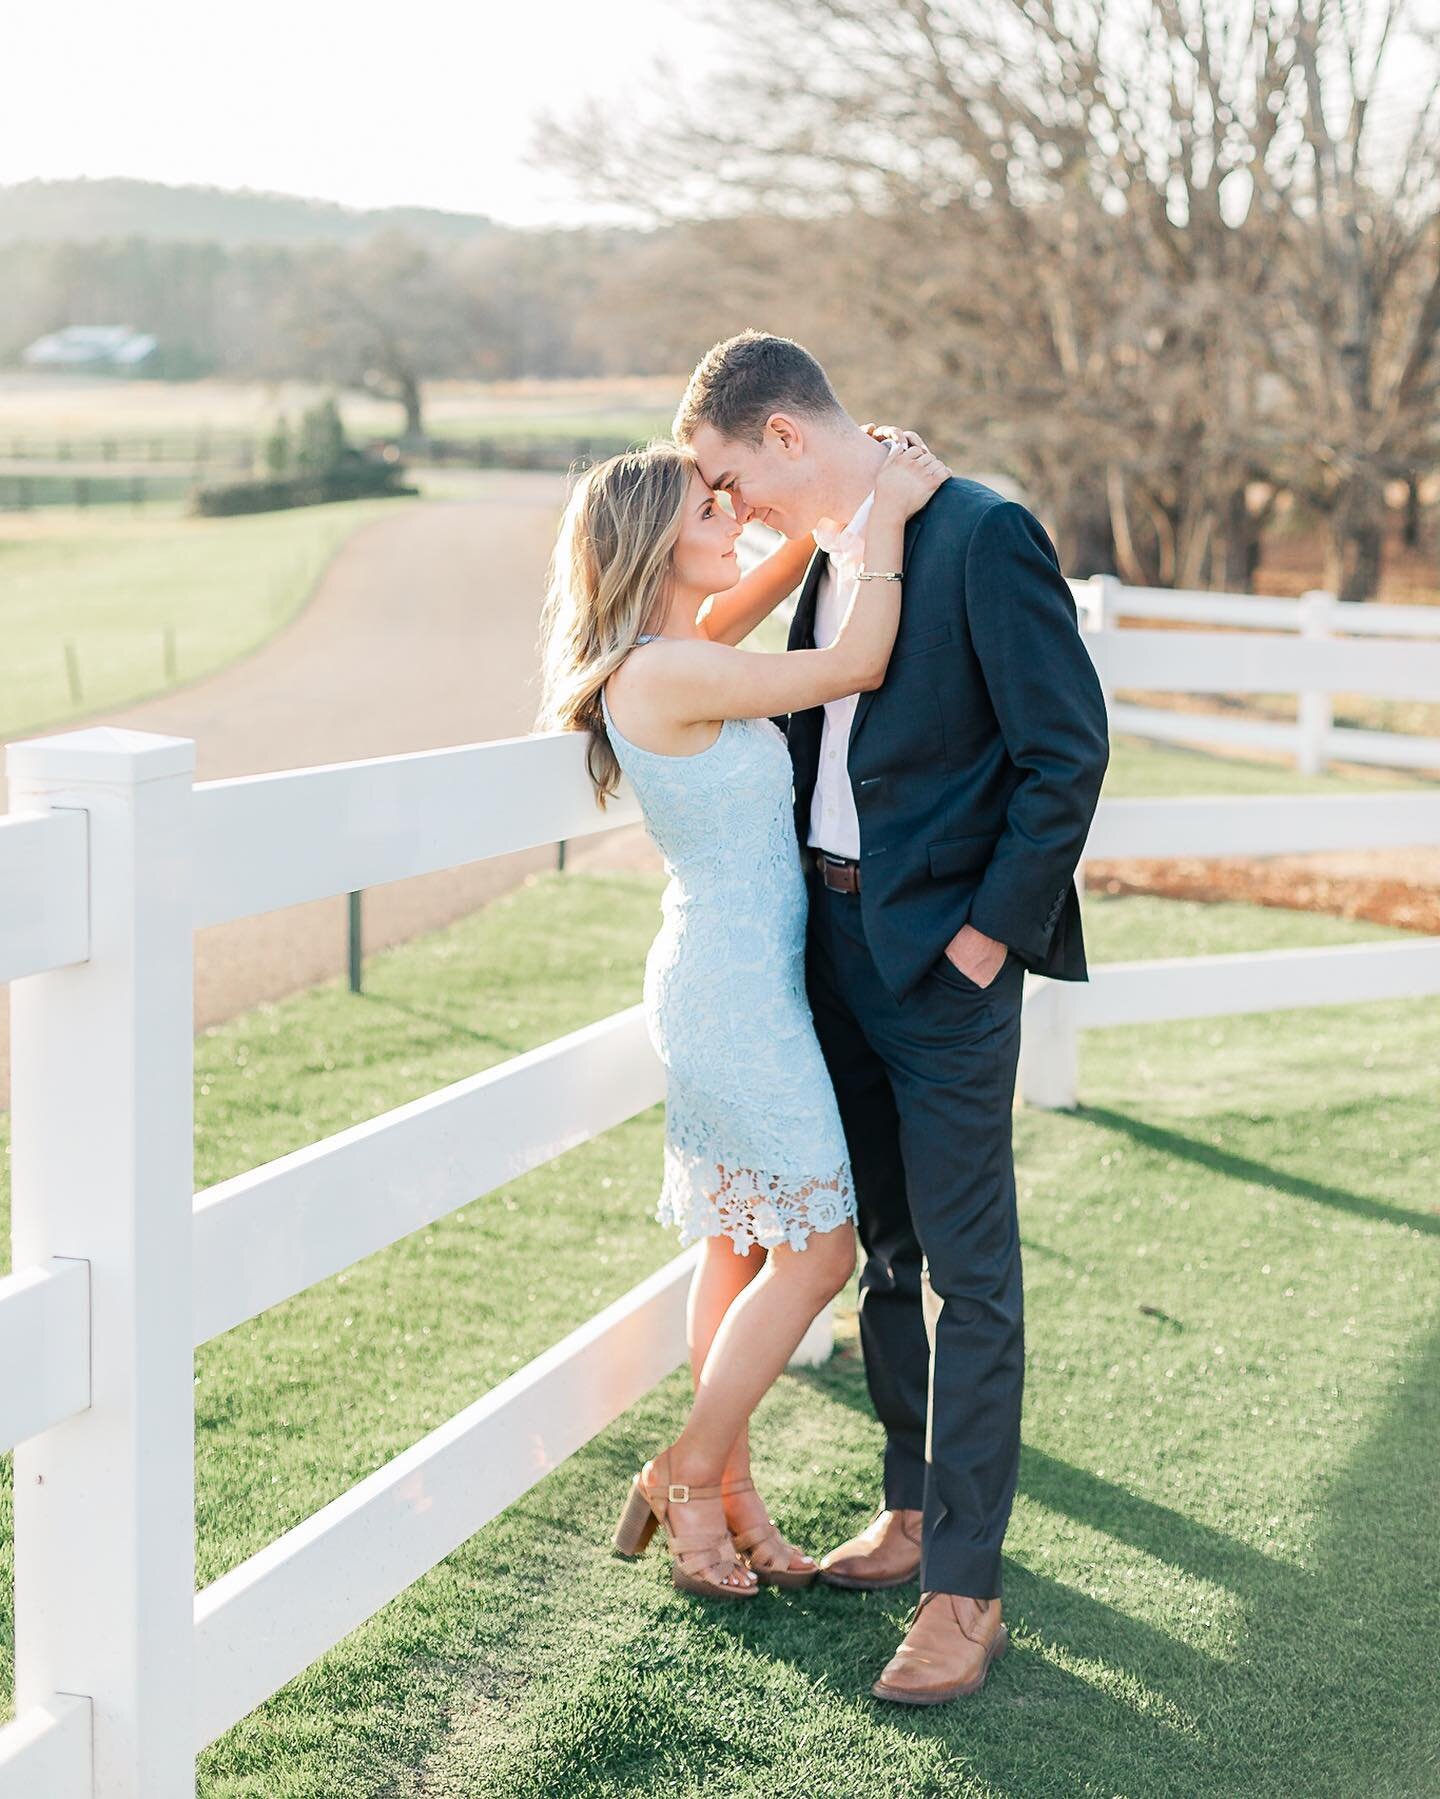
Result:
{"points": [[977, 765]]}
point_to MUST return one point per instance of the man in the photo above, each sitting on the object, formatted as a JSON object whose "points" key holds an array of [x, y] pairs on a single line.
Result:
{"points": [[941, 819]]}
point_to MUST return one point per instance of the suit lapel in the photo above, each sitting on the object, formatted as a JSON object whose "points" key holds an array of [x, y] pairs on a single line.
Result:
{"points": [[802, 729], [867, 699], [802, 626]]}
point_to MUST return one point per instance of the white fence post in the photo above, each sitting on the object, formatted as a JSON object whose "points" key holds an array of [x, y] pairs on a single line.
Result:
{"points": [[103, 1163], [1049, 1046], [815, 1346], [1102, 607], [1049, 1035], [1315, 712], [1101, 615]]}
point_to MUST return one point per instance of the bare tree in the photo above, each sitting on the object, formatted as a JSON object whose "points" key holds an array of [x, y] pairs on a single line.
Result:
{"points": [[1360, 198], [1157, 254], [381, 318]]}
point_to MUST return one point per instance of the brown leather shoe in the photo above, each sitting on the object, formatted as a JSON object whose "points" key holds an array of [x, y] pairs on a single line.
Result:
{"points": [[885, 1554], [947, 1651]]}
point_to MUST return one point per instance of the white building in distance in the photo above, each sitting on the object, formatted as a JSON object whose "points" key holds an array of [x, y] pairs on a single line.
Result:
{"points": [[115, 347]]}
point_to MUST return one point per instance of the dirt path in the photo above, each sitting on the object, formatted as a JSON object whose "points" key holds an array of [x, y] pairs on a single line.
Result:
{"points": [[1394, 887], [420, 635]]}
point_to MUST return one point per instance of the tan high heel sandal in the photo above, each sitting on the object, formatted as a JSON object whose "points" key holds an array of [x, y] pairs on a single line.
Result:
{"points": [[697, 1565], [773, 1567]]}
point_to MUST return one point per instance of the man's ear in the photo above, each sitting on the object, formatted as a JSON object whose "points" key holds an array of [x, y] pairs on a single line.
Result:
{"points": [[789, 436]]}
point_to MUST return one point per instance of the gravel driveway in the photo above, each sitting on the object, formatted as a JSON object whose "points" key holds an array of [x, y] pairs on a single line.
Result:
{"points": [[421, 634]]}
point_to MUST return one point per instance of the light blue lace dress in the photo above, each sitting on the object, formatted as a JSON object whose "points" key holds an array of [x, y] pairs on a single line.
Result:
{"points": [[754, 1148]]}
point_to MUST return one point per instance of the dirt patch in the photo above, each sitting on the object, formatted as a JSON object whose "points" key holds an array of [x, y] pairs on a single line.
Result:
{"points": [[1397, 889]]}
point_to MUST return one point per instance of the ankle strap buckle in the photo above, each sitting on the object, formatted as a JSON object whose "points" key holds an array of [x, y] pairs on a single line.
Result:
{"points": [[678, 1495]]}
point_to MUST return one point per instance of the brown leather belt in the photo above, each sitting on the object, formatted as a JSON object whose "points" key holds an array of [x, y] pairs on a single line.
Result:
{"points": [[838, 873]]}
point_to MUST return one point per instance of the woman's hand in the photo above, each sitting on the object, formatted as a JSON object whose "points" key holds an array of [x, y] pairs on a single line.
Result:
{"points": [[908, 479], [896, 434]]}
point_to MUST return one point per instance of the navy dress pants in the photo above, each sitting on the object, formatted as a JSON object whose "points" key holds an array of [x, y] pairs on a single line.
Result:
{"points": [[925, 1087]]}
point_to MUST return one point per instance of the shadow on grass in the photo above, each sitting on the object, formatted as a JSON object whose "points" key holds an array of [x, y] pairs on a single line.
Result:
{"points": [[1333, 1687], [1314, 1679], [1323, 1686], [443, 1021], [1156, 1530], [1337, 1686], [1242, 1168]]}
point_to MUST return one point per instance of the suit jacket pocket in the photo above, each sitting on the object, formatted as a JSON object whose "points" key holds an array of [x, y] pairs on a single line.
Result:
{"points": [[919, 641], [961, 855]]}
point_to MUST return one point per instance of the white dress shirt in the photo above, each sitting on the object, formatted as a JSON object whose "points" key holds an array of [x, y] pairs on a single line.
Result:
{"points": [[834, 822]]}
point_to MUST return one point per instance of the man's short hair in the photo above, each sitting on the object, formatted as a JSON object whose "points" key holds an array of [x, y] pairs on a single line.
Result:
{"points": [[741, 382]]}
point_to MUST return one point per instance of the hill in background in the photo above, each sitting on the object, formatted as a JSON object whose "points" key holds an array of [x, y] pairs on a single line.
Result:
{"points": [[85, 211]]}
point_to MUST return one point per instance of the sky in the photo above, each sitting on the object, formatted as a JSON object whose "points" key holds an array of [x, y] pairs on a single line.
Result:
{"points": [[420, 103]]}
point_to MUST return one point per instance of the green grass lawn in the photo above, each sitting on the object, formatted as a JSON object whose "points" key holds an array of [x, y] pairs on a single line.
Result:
{"points": [[1221, 1569], [38, 416], [111, 583], [1142, 769]]}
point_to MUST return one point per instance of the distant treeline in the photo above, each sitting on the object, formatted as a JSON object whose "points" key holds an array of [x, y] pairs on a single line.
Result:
{"points": [[384, 312], [114, 207]]}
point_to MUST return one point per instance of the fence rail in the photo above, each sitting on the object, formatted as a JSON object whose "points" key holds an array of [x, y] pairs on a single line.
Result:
{"points": [[192, 449], [44, 921], [1203, 662], [1327, 660], [1262, 825], [266, 841], [1112, 600], [110, 860], [46, 1752], [44, 1347], [281, 1228], [268, 1619]]}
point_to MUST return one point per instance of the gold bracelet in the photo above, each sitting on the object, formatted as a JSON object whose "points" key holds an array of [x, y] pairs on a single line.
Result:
{"points": [[875, 574]]}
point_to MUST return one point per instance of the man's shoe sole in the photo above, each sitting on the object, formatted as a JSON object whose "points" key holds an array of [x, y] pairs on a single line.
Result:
{"points": [[943, 1695], [857, 1583]]}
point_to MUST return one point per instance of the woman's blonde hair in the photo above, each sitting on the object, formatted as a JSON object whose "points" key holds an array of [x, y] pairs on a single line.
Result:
{"points": [[609, 583]]}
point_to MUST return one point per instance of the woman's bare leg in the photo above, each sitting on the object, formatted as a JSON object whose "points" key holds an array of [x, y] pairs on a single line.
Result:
{"points": [[720, 1278], [755, 1337]]}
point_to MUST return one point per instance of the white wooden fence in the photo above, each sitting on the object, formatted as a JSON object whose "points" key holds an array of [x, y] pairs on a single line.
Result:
{"points": [[1336, 654], [1117, 993], [110, 859]]}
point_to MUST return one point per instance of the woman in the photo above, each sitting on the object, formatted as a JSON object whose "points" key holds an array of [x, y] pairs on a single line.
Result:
{"points": [[646, 602]]}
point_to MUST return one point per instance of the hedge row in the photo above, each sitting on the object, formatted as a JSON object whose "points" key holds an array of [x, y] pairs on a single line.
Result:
{"points": [[348, 481]]}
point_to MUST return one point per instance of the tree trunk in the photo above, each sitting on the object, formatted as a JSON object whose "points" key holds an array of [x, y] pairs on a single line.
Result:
{"points": [[1357, 537], [1194, 536], [410, 400], [1412, 512], [1083, 534], [1127, 557], [1236, 551]]}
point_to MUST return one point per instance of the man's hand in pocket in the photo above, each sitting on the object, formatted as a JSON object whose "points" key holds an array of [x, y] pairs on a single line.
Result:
{"points": [[977, 956]]}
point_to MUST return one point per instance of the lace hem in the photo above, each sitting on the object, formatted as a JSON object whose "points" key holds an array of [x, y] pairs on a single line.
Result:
{"points": [[706, 1199]]}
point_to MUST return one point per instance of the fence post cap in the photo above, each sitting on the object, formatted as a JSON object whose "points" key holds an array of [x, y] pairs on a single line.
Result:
{"points": [[1319, 609], [101, 753]]}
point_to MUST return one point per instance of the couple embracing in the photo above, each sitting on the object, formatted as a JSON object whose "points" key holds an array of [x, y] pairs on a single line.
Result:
{"points": [[869, 840]]}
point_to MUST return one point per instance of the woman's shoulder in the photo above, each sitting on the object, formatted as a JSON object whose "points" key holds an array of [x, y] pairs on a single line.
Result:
{"points": [[634, 676], [653, 662], [635, 685]]}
